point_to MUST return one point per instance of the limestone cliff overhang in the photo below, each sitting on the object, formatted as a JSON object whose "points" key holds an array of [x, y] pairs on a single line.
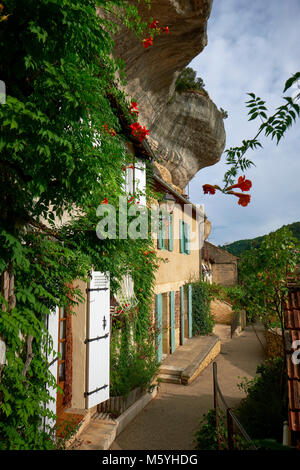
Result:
{"points": [[186, 130]]}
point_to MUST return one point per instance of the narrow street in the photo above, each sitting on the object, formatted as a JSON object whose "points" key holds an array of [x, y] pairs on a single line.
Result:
{"points": [[170, 420]]}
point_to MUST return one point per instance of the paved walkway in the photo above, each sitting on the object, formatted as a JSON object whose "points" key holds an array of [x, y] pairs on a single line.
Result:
{"points": [[170, 420]]}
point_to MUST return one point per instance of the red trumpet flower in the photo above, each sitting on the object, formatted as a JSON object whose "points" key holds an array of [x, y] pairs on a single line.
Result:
{"points": [[244, 199], [134, 108], [208, 189], [154, 24], [148, 42], [138, 131], [242, 184]]}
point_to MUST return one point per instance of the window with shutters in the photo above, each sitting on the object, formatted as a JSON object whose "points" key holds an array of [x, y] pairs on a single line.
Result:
{"points": [[165, 232], [185, 237], [140, 182], [135, 181]]}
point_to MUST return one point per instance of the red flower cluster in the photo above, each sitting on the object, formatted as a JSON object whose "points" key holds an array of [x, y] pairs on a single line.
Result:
{"points": [[154, 26], [242, 184], [138, 131], [148, 42], [134, 108], [105, 201], [110, 131], [150, 252], [128, 166]]}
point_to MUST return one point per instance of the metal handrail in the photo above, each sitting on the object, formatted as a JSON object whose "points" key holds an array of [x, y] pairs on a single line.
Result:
{"points": [[229, 415]]}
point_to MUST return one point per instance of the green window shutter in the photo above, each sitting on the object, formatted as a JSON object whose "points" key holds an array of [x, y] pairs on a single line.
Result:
{"points": [[161, 239], [187, 236], [159, 326], [171, 234], [172, 321], [181, 235], [190, 311], [181, 315]]}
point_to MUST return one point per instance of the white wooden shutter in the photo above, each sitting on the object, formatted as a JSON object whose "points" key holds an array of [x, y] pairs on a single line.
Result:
{"points": [[129, 181], [52, 326], [98, 340], [140, 181]]}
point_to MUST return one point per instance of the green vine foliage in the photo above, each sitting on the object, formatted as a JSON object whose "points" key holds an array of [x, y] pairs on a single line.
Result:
{"points": [[264, 274], [57, 158], [202, 319]]}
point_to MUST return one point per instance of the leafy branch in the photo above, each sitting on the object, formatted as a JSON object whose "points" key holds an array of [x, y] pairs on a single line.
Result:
{"points": [[275, 126]]}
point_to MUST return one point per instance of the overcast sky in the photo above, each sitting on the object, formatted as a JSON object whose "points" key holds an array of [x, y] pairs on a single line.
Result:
{"points": [[253, 46]]}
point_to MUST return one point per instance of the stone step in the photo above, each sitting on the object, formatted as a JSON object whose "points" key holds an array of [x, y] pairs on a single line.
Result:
{"points": [[170, 378], [171, 370]]}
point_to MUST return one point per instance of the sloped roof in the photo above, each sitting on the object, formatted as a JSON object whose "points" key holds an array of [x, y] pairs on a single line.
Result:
{"points": [[212, 251]]}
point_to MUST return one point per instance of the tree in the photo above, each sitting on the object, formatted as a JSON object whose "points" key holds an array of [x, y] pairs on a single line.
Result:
{"points": [[187, 81], [265, 274], [62, 135]]}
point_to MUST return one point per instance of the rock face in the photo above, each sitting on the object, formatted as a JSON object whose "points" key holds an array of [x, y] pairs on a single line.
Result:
{"points": [[187, 136], [186, 130]]}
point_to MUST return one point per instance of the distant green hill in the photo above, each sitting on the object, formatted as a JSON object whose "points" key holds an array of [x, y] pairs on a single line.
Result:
{"points": [[238, 247]]}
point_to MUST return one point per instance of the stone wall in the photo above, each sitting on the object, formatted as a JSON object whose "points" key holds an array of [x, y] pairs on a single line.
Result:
{"points": [[274, 343], [221, 311], [224, 264]]}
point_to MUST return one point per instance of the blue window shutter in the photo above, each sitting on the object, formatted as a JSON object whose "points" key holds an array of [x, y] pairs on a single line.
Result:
{"points": [[160, 233], [171, 234], [187, 237], [181, 315], [159, 327], [190, 309], [181, 235], [172, 322]]}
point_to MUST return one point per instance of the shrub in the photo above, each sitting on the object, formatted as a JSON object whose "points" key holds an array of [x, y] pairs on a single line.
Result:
{"points": [[265, 407], [203, 321], [187, 81]]}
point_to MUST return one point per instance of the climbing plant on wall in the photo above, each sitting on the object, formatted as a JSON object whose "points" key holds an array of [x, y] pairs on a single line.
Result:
{"points": [[62, 152]]}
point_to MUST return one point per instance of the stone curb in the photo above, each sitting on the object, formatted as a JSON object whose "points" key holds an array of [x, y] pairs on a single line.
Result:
{"points": [[201, 362], [125, 418]]}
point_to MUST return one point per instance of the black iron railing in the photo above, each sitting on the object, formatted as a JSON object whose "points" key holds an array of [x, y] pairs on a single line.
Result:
{"points": [[230, 432]]}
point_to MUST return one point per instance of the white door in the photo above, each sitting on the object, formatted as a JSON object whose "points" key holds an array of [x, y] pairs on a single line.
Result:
{"points": [[98, 339]]}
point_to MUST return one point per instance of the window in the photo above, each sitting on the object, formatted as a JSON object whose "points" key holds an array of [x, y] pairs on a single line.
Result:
{"points": [[165, 232], [135, 181], [185, 237]]}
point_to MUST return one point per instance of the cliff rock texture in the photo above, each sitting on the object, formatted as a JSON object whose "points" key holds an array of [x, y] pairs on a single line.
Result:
{"points": [[186, 130]]}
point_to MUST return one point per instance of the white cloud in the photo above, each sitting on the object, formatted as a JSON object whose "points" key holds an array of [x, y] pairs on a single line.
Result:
{"points": [[252, 47]]}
